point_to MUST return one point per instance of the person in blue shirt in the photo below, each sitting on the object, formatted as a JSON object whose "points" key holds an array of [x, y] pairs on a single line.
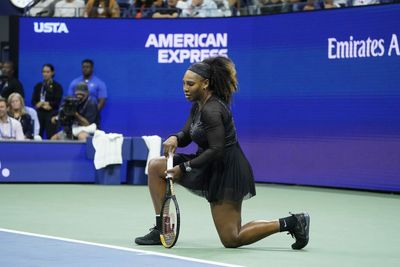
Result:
{"points": [[97, 88]]}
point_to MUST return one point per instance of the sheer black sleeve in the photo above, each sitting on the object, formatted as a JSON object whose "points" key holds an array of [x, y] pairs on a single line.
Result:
{"points": [[212, 117], [183, 136]]}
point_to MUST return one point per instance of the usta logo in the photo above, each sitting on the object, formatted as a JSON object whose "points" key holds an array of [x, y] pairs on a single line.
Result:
{"points": [[50, 27]]}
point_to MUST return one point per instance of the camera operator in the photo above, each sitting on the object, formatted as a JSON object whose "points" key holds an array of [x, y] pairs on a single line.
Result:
{"points": [[79, 110]]}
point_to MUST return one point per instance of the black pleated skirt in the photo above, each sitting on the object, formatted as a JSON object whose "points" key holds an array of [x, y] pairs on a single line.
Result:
{"points": [[230, 178]]}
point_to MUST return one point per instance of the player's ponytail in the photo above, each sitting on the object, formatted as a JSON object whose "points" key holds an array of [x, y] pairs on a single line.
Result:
{"points": [[222, 81]]}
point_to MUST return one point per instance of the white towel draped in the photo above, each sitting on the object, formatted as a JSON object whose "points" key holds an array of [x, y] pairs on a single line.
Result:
{"points": [[153, 143], [108, 149]]}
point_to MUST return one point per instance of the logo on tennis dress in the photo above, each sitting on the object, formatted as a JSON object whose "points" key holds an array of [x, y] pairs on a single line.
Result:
{"points": [[50, 27]]}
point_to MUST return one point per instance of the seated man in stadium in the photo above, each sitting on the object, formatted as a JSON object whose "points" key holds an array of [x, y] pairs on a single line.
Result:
{"points": [[69, 8], [78, 115], [199, 8], [10, 129], [8, 83], [44, 8]]}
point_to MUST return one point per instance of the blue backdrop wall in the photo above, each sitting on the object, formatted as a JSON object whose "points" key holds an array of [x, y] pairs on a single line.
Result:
{"points": [[319, 91]]}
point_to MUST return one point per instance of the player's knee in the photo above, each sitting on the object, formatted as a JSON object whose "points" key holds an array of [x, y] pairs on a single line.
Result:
{"points": [[156, 165], [230, 242]]}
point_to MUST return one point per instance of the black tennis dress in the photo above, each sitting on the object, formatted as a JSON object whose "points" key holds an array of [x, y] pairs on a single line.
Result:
{"points": [[220, 170]]}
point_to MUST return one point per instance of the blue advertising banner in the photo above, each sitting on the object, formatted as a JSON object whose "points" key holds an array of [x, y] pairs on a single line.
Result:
{"points": [[306, 80]]}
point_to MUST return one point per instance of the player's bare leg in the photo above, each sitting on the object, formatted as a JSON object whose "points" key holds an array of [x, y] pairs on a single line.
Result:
{"points": [[157, 187], [227, 220], [156, 182]]}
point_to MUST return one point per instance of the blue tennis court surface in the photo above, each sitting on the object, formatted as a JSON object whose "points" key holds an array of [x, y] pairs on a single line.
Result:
{"points": [[20, 249]]}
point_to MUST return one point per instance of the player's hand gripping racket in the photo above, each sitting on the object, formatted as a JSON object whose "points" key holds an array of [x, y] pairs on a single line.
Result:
{"points": [[170, 211]]}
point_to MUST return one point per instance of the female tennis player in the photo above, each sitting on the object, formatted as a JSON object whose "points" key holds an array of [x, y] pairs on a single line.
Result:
{"points": [[219, 171]]}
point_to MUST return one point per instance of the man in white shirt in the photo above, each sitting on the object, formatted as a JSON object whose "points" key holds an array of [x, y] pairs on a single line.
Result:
{"points": [[365, 2], [69, 8], [10, 129], [43, 8], [198, 8]]}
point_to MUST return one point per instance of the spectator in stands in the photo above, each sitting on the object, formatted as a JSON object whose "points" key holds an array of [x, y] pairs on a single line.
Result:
{"points": [[85, 115], [327, 4], [306, 5], [36, 125], [141, 9], [44, 8], [234, 5], [102, 9], [160, 9], [200, 9], [157, 6], [126, 7], [69, 8], [243, 7], [16, 110], [223, 8], [365, 2], [181, 4], [335, 3], [46, 99], [10, 129], [268, 7], [97, 88], [9, 84]]}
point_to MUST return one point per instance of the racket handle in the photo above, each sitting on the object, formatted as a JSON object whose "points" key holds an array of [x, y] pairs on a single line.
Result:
{"points": [[170, 163]]}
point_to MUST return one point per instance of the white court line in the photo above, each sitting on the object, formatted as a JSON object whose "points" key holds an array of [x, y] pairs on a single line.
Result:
{"points": [[145, 252]]}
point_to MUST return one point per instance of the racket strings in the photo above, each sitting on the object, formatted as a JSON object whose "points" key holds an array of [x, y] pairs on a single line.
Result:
{"points": [[169, 223], [169, 220]]}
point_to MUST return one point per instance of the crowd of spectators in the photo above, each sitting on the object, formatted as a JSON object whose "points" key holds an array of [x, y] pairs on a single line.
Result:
{"points": [[51, 116], [184, 8]]}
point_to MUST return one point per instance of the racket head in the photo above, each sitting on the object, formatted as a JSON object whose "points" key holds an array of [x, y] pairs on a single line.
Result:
{"points": [[170, 219]]}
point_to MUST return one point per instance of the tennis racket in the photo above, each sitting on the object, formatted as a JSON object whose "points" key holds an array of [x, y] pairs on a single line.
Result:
{"points": [[170, 217]]}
